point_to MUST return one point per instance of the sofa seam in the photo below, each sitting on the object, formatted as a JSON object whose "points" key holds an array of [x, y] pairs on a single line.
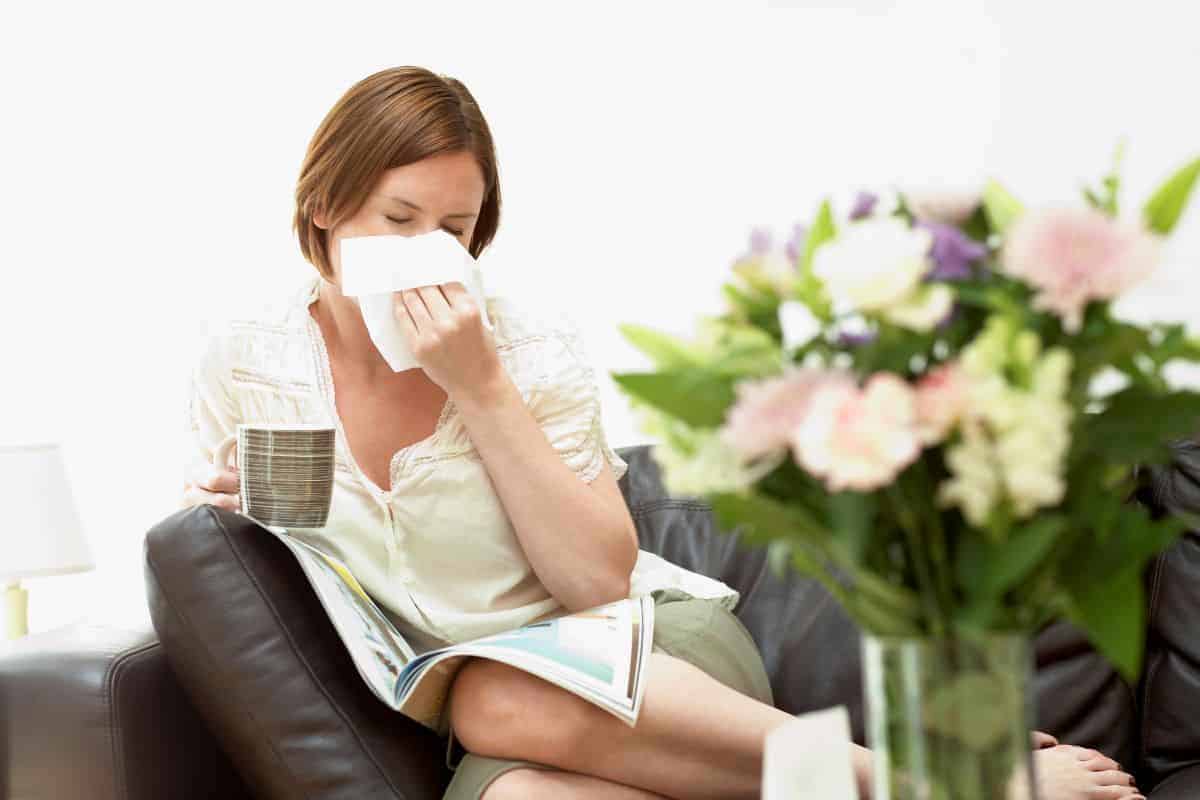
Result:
{"points": [[214, 664], [308, 667], [647, 506], [1152, 671], [112, 680]]}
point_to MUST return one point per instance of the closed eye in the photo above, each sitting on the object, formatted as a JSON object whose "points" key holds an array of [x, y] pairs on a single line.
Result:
{"points": [[403, 221]]}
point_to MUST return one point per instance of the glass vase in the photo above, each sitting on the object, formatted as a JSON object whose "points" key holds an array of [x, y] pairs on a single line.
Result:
{"points": [[949, 718]]}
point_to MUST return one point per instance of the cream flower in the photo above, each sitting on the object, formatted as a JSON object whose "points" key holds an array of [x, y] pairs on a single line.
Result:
{"points": [[877, 265], [974, 485], [858, 439], [1015, 438], [1074, 256], [951, 206], [694, 461]]}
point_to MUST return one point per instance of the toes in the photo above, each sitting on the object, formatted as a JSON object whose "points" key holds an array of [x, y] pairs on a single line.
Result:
{"points": [[1102, 764], [1112, 793], [1041, 739], [1112, 777]]}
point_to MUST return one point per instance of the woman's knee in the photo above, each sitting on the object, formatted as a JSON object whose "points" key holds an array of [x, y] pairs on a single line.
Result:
{"points": [[521, 783], [503, 712]]}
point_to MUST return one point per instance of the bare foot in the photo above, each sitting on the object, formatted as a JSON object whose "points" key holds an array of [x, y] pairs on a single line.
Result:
{"points": [[1040, 739], [1066, 772]]}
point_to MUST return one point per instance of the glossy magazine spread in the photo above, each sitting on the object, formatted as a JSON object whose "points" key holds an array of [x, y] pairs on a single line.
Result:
{"points": [[598, 654]]}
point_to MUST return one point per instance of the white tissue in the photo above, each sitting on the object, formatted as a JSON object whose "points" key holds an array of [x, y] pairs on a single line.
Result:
{"points": [[375, 267]]}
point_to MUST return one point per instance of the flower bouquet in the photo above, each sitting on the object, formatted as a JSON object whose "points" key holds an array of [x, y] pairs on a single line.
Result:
{"points": [[929, 404]]}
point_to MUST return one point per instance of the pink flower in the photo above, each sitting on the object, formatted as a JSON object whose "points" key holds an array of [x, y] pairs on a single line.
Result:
{"points": [[767, 411], [941, 399], [858, 439], [1075, 256]]}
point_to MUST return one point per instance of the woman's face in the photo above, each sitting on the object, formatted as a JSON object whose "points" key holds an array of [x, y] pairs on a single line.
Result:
{"points": [[443, 191]]}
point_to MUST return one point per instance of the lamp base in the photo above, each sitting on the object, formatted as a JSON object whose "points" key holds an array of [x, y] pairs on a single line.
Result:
{"points": [[16, 611]]}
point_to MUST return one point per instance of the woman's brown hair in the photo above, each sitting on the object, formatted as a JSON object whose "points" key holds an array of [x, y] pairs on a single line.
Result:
{"points": [[394, 117]]}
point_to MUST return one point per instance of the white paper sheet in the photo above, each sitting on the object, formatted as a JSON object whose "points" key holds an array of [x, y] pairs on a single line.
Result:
{"points": [[809, 757], [375, 267]]}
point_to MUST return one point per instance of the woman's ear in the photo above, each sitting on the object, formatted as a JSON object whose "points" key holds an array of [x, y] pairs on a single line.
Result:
{"points": [[318, 218]]}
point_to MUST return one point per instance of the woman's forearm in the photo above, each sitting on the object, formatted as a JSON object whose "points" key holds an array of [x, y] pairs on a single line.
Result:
{"points": [[581, 544]]}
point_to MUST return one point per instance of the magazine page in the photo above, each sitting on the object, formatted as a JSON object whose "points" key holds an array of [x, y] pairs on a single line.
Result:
{"points": [[376, 647], [598, 653], [560, 654]]}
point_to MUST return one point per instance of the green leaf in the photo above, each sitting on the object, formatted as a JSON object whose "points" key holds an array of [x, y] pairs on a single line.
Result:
{"points": [[1120, 537], [698, 397], [665, 350], [1166, 205], [894, 608], [989, 569], [1111, 613], [1137, 425], [810, 290], [853, 519], [1002, 208]]}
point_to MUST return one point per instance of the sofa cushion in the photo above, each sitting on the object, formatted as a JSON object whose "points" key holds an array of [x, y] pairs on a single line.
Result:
{"points": [[254, 650], [83, 712]]}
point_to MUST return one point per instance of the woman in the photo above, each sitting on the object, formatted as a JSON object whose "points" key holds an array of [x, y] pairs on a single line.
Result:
{"points": [[479, 493]]}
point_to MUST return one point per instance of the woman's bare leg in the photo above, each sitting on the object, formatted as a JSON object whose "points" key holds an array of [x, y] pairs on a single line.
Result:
{"points": [[541, 784], [695, 736]]}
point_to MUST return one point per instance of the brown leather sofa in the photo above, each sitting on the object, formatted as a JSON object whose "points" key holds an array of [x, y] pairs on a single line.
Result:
{"points": [[101, 713]]}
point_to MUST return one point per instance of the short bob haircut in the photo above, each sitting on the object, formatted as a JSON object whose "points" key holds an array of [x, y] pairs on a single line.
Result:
{"points": [[394, 117]]}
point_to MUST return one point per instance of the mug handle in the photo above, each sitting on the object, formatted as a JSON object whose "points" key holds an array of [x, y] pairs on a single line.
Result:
{"points": [[221, 454]]}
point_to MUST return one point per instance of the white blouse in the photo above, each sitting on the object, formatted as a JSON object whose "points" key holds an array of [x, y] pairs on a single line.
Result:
{"points": [[436, 550]]}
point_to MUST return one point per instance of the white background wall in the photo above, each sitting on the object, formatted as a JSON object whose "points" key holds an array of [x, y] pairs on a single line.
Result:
{"points": [[149, 154]]}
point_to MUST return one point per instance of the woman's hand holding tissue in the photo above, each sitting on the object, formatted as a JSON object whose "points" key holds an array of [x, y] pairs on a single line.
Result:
{"points": [[446, 334]]}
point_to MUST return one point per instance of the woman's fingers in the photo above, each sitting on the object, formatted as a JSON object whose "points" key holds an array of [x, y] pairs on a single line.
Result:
{"points": [[195, 496], [214, 479]]}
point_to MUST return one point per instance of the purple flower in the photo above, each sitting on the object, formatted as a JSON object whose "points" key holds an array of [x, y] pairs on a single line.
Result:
{"points": [[953, 252], [864, 204], [849, 340], [760, 241], [795, 244]]}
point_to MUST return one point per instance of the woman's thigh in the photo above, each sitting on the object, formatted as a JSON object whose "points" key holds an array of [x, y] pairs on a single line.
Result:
{"points": [[697, 630]]}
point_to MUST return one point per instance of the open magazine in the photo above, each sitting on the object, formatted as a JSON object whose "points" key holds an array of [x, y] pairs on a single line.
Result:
{"points": [[598, 654]]}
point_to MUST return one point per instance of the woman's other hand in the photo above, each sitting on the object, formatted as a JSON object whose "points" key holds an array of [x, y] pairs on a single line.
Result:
{"points": [[205, 482]]}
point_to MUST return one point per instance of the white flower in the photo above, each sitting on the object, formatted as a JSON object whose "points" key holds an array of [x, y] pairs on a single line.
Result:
{"points": [[877, 265], [925, 308], [798, 324], [951, 205]]}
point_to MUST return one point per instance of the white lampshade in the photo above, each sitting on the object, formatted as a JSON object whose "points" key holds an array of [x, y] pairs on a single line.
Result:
{"points": [[40, 534]]}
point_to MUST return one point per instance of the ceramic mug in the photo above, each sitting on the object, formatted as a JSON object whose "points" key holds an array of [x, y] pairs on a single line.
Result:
{"points": [[285, 472]]}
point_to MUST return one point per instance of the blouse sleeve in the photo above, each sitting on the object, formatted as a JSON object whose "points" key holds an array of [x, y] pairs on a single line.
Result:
{"points": [[568, 407], [211, 410]]}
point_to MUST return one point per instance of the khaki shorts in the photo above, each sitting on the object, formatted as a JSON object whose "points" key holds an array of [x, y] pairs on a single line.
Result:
{"points": [[698, 630]]}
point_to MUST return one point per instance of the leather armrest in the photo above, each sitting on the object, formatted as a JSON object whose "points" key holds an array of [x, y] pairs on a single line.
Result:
{"points": [[92, 710], [1183, 784]]}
